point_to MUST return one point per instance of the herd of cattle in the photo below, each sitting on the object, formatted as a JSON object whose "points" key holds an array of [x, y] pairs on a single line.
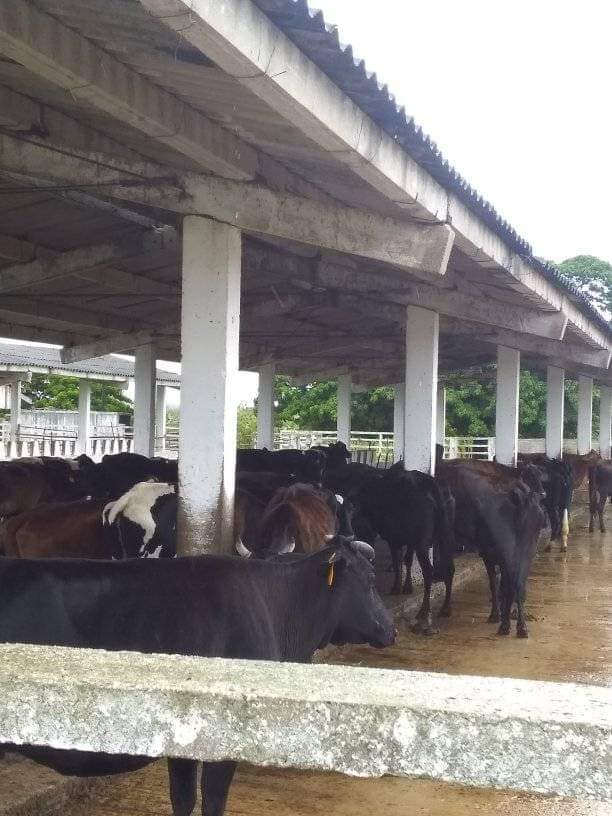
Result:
{"points": [[85, 551]]}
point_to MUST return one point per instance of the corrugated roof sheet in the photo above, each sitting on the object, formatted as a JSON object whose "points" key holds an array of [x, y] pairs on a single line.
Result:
{"points": [[22, 356], [320, 41]]}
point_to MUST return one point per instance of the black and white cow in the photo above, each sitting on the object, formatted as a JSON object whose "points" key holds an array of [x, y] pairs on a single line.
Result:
{"points": [[144, 520]]}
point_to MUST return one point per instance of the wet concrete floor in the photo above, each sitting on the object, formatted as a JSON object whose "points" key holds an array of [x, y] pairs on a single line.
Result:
{"points": [[570, 640]]}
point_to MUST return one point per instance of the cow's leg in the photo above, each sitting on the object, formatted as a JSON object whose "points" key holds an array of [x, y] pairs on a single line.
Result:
{"points": [[564, 530], [445, 611], [183, 775], [396, 559], [492, 575], [216, 780], [507, 596], [424, 624], [600, 510], [521, 626], [408, 589]]}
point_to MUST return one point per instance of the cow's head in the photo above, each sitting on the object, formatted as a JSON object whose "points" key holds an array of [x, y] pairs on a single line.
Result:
{"points": [[359, 614]]}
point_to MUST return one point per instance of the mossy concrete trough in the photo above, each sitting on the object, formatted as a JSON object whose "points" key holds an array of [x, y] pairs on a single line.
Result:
{"points": [[487, 732]]}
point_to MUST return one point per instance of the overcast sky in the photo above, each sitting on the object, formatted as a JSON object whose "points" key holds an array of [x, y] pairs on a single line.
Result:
{"points": [[518, 96]]}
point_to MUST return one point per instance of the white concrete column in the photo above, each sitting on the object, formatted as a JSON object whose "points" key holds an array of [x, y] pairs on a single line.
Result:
{"points": [[605, 421], [210, 327], [399, 401], [343, 416], [441, 414], [160, 417], [507, 405], [83, 431], [144, 400], [555, 406], [265, 407], [421, 385], [585, 414], [15, 409]]}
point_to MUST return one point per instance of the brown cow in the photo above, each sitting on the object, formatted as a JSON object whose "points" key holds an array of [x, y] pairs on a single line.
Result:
{"points": [[66, 530], [503, 518], [580, 465], [600, 490], [28, 482]]}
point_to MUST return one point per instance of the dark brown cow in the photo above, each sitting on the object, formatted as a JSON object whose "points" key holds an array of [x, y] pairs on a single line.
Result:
{"points": [[600, 490], [65, 530], [28, 482], [503, 518], [580, 465]]}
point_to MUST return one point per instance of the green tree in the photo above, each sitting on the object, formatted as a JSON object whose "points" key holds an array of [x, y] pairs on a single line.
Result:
{"points": [[247, 427], [314, 406], [62, 394], [593, 277]]}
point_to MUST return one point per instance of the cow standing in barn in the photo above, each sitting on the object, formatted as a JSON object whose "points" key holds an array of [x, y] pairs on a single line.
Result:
{"points": [[600, 490], [208, 606], [502, 516]]}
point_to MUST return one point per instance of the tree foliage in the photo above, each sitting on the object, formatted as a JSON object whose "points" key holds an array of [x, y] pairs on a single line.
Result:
{"points": [[247, 427], [593, 277], [314, 406], [62, 394]]}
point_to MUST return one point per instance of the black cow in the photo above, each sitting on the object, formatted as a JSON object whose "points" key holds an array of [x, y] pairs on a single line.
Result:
{"points": [[557, 483], [208, 606], [503, 518], [119, 472], [600, 490], [336, 454], [304, 466]]}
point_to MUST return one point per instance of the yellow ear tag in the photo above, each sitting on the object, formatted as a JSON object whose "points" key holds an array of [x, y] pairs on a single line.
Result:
{"points": [[330, 575]]}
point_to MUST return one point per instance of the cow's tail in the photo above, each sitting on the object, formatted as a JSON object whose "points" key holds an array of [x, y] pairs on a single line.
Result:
{"points": [[444, 547]]}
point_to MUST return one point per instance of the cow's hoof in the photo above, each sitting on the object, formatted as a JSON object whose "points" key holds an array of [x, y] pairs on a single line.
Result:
{"points": [[504, 629], [564, 548], [424, 627], [445, 612], [395, 590], [548, 548], [493, 617], [522, 632], [591, 529]]}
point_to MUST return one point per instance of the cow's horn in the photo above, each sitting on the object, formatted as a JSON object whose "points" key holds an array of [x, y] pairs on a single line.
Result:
{"points": [[364, 548], [241, 549]]}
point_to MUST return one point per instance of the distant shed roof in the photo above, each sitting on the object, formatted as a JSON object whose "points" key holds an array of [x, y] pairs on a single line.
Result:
{"points": [[44, 360], [320, 41]]}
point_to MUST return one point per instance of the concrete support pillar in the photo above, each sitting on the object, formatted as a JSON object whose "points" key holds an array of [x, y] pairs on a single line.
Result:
{"points": [[144, 400], [585, 414], [160, 417], [399, 401], [441, 414], [421, 385], [343, 415], [210, 325], [265, 407], [605, 421], [555, 404], [83, 432], [507, 405], [15, 409]]}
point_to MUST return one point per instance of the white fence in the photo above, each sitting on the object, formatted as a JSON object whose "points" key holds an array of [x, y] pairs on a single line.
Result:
{"points": [[64, 448]]}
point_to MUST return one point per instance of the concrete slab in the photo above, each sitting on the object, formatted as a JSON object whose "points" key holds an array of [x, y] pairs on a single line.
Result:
{"points": [[485, 732]]}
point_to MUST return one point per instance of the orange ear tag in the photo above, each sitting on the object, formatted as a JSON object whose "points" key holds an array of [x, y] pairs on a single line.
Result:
{"points": [[330, 575]]}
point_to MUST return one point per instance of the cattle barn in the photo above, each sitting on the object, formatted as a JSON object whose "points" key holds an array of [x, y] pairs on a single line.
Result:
{"points": [[221, 183]]}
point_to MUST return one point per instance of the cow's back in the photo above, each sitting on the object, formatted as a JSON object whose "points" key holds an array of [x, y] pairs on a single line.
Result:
{"points": [[199, 606]]}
